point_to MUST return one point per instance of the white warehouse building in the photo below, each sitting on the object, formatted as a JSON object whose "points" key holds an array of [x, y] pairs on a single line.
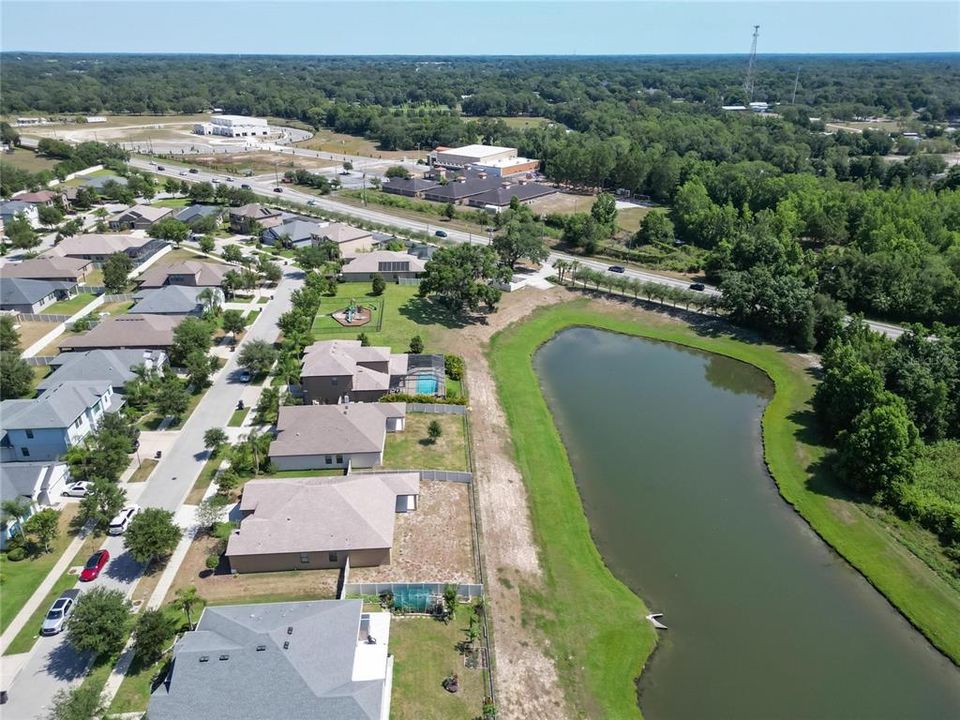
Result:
{"points": [[233, 126]]}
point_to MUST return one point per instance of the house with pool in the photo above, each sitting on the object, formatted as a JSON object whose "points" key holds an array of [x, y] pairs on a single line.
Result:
{"points": [[344, 371]]}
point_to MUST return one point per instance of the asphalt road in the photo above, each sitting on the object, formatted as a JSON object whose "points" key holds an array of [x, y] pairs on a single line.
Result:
{"points": [[265, 187], [54, 665]]}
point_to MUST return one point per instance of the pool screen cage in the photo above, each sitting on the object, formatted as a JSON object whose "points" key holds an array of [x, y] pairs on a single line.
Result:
{"points": [[426, 375]]}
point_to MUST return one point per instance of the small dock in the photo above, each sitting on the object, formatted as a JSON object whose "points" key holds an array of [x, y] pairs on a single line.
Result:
{"points": [[652, 617]]}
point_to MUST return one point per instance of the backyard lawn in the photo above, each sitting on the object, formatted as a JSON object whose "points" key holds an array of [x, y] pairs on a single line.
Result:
{"points": [[70, 306], [405, 314], [21, 578], [425, 652], [413, 449], [94, 278], [172, 203], [32, 330]]}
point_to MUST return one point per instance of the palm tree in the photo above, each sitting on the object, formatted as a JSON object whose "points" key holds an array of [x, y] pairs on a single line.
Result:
{"points": [[210, 298], [188, 598], [15, 509], [288, 369], [561, 266]]}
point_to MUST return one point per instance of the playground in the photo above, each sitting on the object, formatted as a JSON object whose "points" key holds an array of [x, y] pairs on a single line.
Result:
{"points": [[338, 314]]}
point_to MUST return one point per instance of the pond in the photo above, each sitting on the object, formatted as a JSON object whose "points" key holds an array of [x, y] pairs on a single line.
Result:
{"points": [[765, 621]]}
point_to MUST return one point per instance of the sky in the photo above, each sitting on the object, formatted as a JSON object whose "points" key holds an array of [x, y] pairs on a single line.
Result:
{"points": [[464, 27]]}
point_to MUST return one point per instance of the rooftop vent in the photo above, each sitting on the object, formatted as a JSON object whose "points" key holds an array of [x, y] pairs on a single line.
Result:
{"points": [[224, 657], [261, 648], [204, 658]]}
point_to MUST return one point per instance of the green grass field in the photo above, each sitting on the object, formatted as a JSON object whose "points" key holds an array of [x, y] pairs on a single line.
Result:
{"points": [[69, 306], [404, 315], [28, 160], [413, 448], [597, 661]]}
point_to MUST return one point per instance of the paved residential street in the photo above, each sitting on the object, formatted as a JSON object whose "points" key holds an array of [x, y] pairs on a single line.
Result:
{"points": [[54, 665]]}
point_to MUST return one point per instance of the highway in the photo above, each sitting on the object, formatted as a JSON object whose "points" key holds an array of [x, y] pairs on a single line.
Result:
{"points": [[265, 187]]}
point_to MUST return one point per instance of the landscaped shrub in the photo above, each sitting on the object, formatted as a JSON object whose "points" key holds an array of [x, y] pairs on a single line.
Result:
{"points": [[213, 562], [222, 530], [16, 555], [453, 365], [424, 399]]}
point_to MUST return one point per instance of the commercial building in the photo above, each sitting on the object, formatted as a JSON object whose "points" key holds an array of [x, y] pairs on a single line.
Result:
{"points": [[233, 126], [495, 160], [315, 523], [280, 661]]}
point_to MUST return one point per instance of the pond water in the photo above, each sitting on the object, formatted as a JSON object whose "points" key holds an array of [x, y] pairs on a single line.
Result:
{"points": [[765, 620]]}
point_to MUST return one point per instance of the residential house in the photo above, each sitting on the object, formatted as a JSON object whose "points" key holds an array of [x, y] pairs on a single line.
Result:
{"points": [[139, 217], [408, 187], [45, 427], [390, 265], [98, 182], [340, 371], [294, 232], [192, 213], [190, 273], [42, 197], [115, 366], [280, 661], [40, 484], [146, 332], [32, 296], [242, 218], [314, 523], [53, 267], [100, 246], [349, 239], [311, 437], [175, 300], [12, 208]]}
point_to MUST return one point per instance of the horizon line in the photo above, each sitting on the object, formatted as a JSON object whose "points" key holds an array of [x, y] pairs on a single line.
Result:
{"points": [[831, 53]]}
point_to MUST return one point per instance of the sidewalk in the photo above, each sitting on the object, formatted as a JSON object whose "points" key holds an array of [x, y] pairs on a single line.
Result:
{"points": [[41, 592]]}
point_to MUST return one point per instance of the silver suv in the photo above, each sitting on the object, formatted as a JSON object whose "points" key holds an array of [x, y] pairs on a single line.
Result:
{"points": [[59, 612]]}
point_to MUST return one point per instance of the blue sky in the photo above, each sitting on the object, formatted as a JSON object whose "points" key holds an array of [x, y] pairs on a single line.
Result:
{"points": [[460, 27]]}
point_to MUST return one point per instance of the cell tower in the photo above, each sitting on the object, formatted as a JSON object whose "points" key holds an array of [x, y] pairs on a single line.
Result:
{"points": [[748, 81]]}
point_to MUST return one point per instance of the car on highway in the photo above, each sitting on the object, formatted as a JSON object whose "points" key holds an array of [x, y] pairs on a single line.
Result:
{"points": [[78, 489], [616, 269], [441, 233], [122, 521], [278, 189], [700, 287], [58, 613], [312, 202], [183, 172], [96, 563], [160, 167], [228, 179], [244, 187], [194, 171]]}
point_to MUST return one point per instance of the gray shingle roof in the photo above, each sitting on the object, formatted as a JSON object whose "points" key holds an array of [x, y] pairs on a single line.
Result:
{"points": [[114, 366], [12, 207], [56, 408], [125, 331], [310, 678], [191, 213], [501, 196], [98, 181], [21, 291], [295, 515], [24, 478], [168, 300], [410, 185], [333, 429], [296, 229]]}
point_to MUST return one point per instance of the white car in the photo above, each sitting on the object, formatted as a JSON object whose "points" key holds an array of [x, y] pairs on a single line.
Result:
{"points": [[78, 489], [122, 521], [58, 613], [312, 202]]}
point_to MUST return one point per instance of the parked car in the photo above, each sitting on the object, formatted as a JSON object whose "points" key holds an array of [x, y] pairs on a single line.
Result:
{"points": [[278, 189], [58, 613], [441, 233], [244, 187], [616, 269], [96, 563], [122, 521], [78, 489], [698, 286], [245, 377]]}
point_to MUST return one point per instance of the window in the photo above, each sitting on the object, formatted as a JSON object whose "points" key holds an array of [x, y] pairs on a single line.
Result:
{"points": [[76, 423], [334, 381], [25, 452], [328, 460], [305, 558], [29, 434], [339, 459], [333, 557]]}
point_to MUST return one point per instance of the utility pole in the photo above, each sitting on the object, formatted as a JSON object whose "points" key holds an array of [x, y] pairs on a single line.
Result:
{"points": [[748, 81], [796, 84]]}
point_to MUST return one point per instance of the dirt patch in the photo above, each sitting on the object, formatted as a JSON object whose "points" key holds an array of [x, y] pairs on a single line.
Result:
{"points": [[562, 203], [221, 587], [527, 682], [432, 544], [32, 330]]}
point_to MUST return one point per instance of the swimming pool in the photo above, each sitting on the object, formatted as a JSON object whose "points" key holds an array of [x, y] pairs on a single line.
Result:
{"points": [[426, 385]]}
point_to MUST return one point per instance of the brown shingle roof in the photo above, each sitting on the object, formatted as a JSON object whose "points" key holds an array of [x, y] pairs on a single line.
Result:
{"points": [[333, 429], [127, 331]]}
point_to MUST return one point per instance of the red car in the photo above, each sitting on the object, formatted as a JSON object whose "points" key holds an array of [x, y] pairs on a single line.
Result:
{"points": [[96, 563]]}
